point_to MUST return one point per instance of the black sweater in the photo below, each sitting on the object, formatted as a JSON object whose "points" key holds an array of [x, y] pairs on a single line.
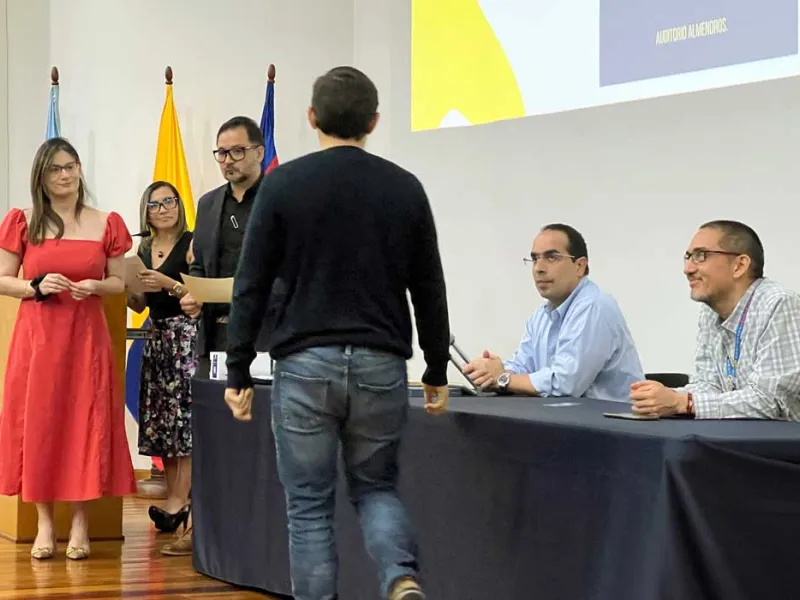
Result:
{"points": [[342, 235]]}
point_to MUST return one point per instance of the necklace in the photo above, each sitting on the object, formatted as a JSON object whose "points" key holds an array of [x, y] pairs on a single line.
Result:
{"points": [[161, 253]]}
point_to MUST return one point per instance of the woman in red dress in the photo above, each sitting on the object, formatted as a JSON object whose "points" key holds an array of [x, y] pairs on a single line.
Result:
{"points": [[62, 428]]}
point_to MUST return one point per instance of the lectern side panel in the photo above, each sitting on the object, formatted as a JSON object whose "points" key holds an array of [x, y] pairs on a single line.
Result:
{"points": [[8, 316]]}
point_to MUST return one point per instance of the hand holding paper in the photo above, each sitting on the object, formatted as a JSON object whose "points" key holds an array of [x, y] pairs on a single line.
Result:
{"points": [[206, 290], [190, 306], [133, 266]]}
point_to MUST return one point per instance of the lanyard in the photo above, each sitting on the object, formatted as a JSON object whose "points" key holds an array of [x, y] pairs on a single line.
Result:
{"points": [[733, 367]]}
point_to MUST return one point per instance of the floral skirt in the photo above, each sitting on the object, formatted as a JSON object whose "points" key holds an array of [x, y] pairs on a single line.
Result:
{"points": [[165, 388]]}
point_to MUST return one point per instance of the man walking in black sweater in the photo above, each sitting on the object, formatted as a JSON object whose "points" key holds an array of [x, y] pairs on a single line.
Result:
{"points": [[348, 234]]}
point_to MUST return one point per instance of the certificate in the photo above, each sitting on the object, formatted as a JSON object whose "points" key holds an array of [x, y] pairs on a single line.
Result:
{"points": [[207, 290]]}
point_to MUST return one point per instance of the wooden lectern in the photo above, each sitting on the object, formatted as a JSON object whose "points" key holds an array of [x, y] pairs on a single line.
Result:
{"points": [[17, 518]]}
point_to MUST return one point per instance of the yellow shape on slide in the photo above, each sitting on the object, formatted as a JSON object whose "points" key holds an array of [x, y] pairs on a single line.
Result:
{"points": [[457, 63]]}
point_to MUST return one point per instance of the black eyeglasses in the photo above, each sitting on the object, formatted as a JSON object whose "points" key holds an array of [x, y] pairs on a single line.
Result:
{"points": [[237, 153], [167, 204], [69, 169], [550, 257], [700, 255]]}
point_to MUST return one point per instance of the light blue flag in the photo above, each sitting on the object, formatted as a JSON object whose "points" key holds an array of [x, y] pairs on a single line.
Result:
{"points": [[53, 118]]}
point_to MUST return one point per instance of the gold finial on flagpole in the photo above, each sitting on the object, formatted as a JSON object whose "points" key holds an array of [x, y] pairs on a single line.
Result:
{"points": [[168, 75], [54, 76], [271, 73]]}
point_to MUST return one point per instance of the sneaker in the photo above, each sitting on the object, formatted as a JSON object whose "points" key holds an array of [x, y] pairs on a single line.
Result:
{"points": [[406, 588]]}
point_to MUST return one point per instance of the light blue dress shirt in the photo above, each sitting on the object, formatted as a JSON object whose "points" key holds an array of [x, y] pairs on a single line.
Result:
{"points": [[581, 348]]}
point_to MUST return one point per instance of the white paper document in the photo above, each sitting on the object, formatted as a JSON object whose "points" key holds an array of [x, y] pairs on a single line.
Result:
{"points": [[260, 369], [133, 266]]}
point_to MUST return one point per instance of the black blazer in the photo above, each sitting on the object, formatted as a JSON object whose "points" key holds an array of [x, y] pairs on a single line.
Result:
{"points": [[205, 247]]}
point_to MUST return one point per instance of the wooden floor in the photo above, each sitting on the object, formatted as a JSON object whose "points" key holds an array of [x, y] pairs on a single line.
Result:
{"points": [[130, 569]]}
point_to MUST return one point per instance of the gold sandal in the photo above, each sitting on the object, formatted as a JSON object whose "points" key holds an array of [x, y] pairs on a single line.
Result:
{"points": [[43, 552], [76, 553]]}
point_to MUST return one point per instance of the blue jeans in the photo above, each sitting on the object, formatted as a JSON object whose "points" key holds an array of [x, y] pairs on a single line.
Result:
{"points": [[356, 397]]}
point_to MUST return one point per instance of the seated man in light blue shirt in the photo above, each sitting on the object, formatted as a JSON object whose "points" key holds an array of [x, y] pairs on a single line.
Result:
{"points": [[577, 344]]}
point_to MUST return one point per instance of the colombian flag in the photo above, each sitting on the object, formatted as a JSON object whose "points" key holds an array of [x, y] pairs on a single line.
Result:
{"points": [[268, 124], [171, 167], [170, 158]]}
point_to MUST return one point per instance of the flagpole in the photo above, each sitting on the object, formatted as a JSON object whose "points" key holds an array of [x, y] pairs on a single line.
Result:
{"points": [[172, 168], [270, 160], [53, 119], [155, 486]]}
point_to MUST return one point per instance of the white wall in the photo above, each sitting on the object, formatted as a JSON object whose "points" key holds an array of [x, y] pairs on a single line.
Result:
{"points": [[111, 55], [3, 108], [636, 179], [373, 54], [28, 91]]}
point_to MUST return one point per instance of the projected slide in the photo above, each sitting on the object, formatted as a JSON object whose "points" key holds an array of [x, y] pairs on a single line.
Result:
{"points": [[479, 61]]}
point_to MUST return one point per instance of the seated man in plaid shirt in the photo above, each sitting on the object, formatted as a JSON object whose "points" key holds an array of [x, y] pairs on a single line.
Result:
{"points": [[747, 363]]}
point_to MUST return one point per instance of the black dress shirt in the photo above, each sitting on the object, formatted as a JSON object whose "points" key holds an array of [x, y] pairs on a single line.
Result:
{"points": [[235, 216]]}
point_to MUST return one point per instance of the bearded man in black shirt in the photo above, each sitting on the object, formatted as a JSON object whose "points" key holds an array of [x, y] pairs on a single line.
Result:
{"points": [[222, 216]]}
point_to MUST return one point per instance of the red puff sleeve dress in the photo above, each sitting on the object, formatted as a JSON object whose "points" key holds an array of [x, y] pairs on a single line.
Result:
{"points": [[62, 424]]}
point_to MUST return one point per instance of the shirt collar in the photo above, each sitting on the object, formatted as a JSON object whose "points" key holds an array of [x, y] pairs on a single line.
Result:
{"points": [[562, 309], [732, 322], [251, 191]]}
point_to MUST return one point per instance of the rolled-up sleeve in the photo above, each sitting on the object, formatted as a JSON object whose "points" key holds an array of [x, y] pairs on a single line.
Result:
{"points": [[524, 359]]}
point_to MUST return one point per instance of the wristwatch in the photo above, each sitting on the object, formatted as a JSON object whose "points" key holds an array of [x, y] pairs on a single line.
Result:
{"points": [[177, 290], [503, 380]]}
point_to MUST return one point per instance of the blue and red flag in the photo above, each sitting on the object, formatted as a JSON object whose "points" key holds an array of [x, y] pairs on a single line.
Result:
{"points": [[268, 124]]}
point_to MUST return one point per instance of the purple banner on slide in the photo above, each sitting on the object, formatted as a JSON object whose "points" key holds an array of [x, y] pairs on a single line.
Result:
{"points": [[644, 39]]}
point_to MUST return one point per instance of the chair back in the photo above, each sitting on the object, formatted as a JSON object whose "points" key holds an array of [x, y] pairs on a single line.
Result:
{"points": [[672, 380]]}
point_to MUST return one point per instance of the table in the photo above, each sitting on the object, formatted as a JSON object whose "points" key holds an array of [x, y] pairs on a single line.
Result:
{"points": [[520, 498]]}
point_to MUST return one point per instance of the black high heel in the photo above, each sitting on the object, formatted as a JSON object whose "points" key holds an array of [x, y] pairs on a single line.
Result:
{"points": [[168, 522]]}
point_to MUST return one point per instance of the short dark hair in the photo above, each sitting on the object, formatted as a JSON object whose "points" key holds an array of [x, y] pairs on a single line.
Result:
{"points": [[742, 239], [345, 102], [254, 134], [576, 245]]}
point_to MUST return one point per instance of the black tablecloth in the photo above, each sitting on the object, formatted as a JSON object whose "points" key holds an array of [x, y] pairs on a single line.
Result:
{"points": [[520, 498]]}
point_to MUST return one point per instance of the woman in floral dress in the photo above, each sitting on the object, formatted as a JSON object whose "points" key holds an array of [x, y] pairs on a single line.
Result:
{"points": [[168, 360]]}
